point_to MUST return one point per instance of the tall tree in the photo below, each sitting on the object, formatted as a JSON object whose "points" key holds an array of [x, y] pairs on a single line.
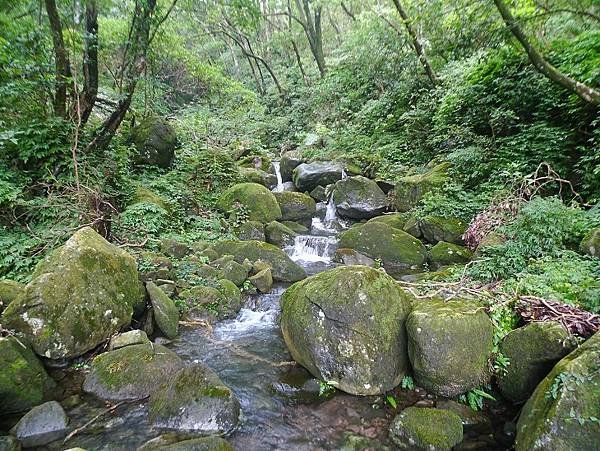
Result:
{"points": [[61, 60], [587, 93], [310, 19], [90, 62]]}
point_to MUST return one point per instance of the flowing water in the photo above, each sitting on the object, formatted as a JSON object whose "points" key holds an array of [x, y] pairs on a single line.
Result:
{"points": [[279, 188]]}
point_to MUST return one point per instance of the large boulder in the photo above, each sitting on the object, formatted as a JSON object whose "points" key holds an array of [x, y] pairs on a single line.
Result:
{"points": [[166, 313], [195, 401], [532, 351], [24, 382], [155, 141], [449, 343], [289, 161], [259, 176], [395, 248], [590, 244], [308, 176], [228, 268], [212, 303], [79, 295], [359, 198], [259, 202], [395, 220], [346, 326], [283, 268], [9, 290], [410, 189], [251, 230], [444, 254], [280, 235], [562, 413], [297, 207], [132, 372], [420, 428], [437, 228], [130, 338], [41, 425]]}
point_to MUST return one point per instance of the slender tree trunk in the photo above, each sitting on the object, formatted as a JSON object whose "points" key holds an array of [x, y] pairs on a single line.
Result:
{"points": [[61, 60], [299, 61], [348, 12], [585, 92], [416, 43], [313, 30], [90, 61]]}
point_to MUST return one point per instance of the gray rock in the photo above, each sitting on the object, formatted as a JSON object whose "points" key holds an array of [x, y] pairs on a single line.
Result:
{"points": [[359, 198], [263, 280], [133, 337], [166, 313], [307, 176], [155, 141], [427, 429], [279, 234], [351, 257], [9, 443], [41, 425], [289, 161], [251, 230], [174, 248], [175, 442]]}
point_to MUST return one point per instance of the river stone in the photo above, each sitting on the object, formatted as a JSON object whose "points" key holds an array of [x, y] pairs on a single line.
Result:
{"points": [[231, 270], [263, 280], [395, 220], [24, 382], [444, 254], [559, 415], [358, 198], [9, 443], [449, 344], [289, 161], [284, 269], [253, 175], [213, 303], [79, 296], [9, 290], [132, 372], [474, 420], [173, 442], [173, 248], [251, 230], [155, 141], [590, 244], [308, 176], [346, 326], [297, 207], [410, 189], [437, 228], [166, 313], [258, 201], [158, 267], [279, 235], [395, 248], [296, 227], [231, 299], [41, 425], [420, 428], [351, 257], [133, 337], [196, 401], [319, 194], [532, 350]]}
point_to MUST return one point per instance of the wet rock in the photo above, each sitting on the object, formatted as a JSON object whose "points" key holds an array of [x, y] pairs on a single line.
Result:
{"points": [[133, 337], [319, 194], [354, 442], [410, 189], [444, 254], [195, 400], [346, 326], [173, 442], [590, 244], [359, 198], [166, 313], [132, 372], [351, 257], [289, 161], [9, 443], [307, 176], [449, 344], [296, 207], [299, 387], [79, 296], [41, 425], [532, 351], [174, 248], [418, 428], [395, 248], [251, 230], [9, 290], [279, 235], [231, 270], [253, 175], [296, 227], [283, 269], [24, 382], [437, 228], [472, 419], [155, 141], [395, 220], [263, 280], [562, 412], [259, 203], [231, 299], [222, 301]]}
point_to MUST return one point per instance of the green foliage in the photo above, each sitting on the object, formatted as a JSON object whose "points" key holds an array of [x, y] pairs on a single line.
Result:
{"points": [[407, 383], [475, 398], [391, 400]]}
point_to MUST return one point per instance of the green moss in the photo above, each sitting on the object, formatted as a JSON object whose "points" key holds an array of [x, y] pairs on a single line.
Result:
{"points": [[410, 189], [9, 290], [443, 254], [296, 206], [396, 220], [437, 228], [425, 428], [591, 243], [259, 202], [166, 313], [142, 194]]}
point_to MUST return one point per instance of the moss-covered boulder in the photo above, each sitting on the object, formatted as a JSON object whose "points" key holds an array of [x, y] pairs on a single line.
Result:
{"points": [[251, 230], [377, 240], [9, 290], [319, 194], [231, 270], [174, 442], [590, 244], [256, 160], [79, 295], [174, 248], [231, 299], [253, 175], [410, 189], [155, 141], [147, 196], [155, 266], [532, 351], [195, 401], [420, 428], [289, 161], [132, 337], [437, 228], [284, 269], [296, 227], [24, 382], [166, 313], [346, 326], [307, 176], [444, 254], [562, 413], [449, 343], [395, 220], [351, 257], [262, 280], [132, 372], [212, 303], [259, 202], [279, 234], [359, 198], [297, 207]]}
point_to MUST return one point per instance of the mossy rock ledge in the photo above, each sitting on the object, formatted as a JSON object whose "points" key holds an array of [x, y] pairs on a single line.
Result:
{"points": [[359, 198], [449, 343], [346, 327], [259, 202], [410, 189], [562, 412], [79, 296], [420, 428], [298, 207], [195, 401], [155, 141], [437, 228]]}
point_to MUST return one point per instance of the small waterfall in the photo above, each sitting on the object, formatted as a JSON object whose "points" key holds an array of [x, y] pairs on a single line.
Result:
{"points": [[311, 248], [277, 167], [344, 174], [330, 213]]}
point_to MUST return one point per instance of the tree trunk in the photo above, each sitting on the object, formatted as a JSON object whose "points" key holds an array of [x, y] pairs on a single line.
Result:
{"points": [[90, 61], [299, 61], [416, 43], [61, 60], [314, 31], [585, 92]]}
